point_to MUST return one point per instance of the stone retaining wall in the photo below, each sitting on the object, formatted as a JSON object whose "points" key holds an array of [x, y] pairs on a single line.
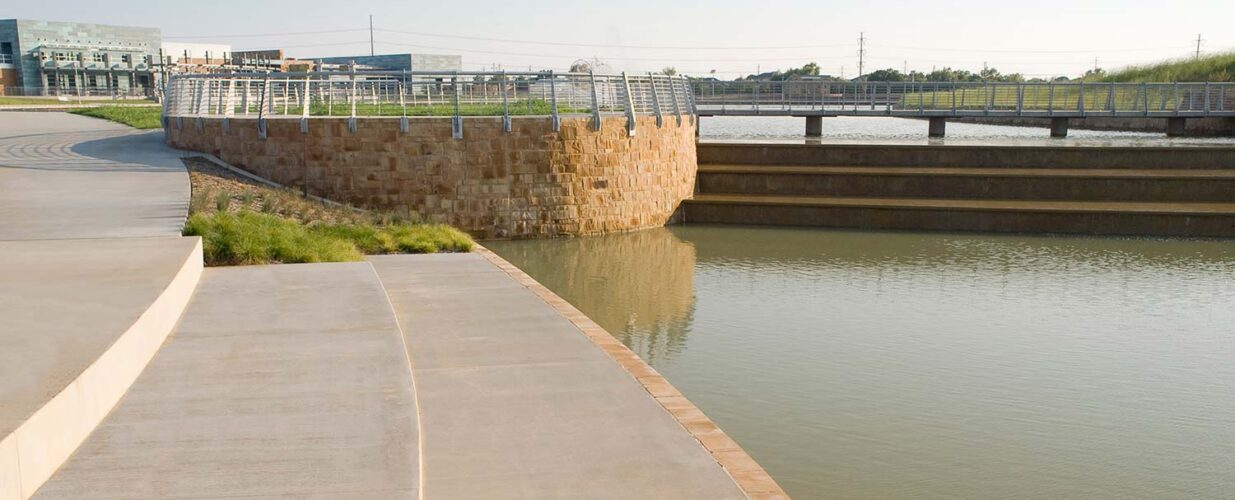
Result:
{"points": [[530, 182]]}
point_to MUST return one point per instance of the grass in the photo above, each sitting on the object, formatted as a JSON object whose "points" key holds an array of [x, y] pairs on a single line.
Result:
{"points": [[1211, 68], [20, 100], [244, 222], [521, 107], [143, 117], [1040, 98]]}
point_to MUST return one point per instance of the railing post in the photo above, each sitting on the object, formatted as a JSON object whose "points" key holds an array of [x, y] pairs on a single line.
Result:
{"points": [[1145, 97], [1020, 98], [953, 98], [554, 120], [1110, 99], [261, 110], [304, 106], [1206, 98], [690, 100], [630, 107], [456, 123], [1080, 100], [351, 118], [660, 119], [404, 126], [167, 97], [887, 96], [1050, 99], [595, 102], [506, 125], [677, 111], [756, 101]]}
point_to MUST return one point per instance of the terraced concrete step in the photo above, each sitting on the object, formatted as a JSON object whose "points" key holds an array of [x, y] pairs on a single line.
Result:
{"points": [[287, 381], [1211, 220], [1134, 173], [1134, 185], [982, 205]]}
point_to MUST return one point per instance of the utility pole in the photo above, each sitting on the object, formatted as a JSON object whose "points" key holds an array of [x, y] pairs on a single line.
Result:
{"points": [[861, 52], [371, 53], [1198, 45]]}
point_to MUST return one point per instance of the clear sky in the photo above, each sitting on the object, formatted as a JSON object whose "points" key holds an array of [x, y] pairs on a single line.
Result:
{"points": [[1034, 37]]}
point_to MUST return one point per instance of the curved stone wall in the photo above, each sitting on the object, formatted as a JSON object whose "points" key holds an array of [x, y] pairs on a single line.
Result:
{"points": [[529, 182]]}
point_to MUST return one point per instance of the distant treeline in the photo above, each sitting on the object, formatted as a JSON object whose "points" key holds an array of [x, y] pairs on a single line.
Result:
{"points": [[1212, 68]]}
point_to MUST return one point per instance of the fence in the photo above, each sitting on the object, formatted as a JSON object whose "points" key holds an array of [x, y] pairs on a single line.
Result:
{"points": [[965, 98], [409, 94]]}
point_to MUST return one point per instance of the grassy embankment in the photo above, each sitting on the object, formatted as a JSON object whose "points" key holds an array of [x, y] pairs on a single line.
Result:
{"points": [[242, 221], [1215, 68]]}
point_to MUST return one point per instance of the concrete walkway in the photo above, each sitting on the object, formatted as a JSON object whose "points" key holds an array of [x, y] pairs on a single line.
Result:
{"points": [[517, 403], [280, 381], [69, 176], [439, 376]]}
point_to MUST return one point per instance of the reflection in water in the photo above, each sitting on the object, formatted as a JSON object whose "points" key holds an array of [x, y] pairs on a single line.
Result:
{"points": [[638, 286], [900, 365]]}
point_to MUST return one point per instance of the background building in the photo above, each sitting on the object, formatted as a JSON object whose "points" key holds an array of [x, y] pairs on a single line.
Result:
{"points": [[400, 62], [77, 58]]}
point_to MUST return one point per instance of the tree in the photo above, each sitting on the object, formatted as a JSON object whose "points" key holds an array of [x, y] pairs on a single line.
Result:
{"points": [[669, 70], [581, 66], [885, 75]]}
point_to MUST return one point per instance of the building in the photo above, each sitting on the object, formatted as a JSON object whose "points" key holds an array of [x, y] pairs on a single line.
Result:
{"points": [[400, 62], [196, 54], [47, 57]]}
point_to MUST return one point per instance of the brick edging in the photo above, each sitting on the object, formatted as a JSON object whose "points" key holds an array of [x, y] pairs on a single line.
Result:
{"points": [[748, 474]]}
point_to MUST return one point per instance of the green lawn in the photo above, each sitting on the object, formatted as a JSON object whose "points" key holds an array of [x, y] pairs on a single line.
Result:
{"points": [[143, 117], [19, 100]]}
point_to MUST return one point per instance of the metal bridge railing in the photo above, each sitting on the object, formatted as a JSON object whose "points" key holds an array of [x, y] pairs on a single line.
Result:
{"points": [[409, 94], [965, 98]]}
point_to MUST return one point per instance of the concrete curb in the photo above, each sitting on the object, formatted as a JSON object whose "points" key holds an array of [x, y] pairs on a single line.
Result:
{"points": [[750, 477], [40, 445]]}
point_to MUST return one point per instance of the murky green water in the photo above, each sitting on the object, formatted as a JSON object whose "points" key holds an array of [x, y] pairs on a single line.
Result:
{"points": [[904, 365]]}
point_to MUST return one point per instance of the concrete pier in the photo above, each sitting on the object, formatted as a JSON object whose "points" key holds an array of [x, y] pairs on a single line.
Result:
{"points": [[1176, 127], [938, 126], [1059, 127], [814, 126]]}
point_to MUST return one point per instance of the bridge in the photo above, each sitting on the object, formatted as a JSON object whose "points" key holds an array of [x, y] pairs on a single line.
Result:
{"points": [[938, 101]]}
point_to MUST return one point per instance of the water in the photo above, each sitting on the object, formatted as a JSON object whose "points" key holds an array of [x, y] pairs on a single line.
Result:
{"points": [[887, 130], [904, 365]]}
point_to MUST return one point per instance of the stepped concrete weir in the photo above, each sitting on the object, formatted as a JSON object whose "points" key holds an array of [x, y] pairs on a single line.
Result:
{"points": [[1138, 191]]}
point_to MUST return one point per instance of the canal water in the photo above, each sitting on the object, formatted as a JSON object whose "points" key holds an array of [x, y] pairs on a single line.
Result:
{"points": [[857, 364]]}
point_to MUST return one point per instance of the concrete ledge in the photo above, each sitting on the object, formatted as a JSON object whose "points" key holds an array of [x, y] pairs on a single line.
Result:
{"points": [[748, 474], [883, 155], [32, 452]]}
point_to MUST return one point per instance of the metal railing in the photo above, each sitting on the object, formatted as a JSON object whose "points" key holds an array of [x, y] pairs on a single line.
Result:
{"points": [[1062, 99], [416, 93]]}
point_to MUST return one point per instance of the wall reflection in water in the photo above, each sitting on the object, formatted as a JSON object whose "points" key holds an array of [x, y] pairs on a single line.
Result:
{"points": [[639, 286]]}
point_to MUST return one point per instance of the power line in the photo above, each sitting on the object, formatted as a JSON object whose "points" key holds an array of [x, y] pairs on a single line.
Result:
{"points": [[1025, 51], [576, 56], [612, 46], [264, 35]]}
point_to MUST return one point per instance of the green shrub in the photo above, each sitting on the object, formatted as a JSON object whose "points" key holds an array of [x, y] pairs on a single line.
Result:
{"points": [[248, 237]]}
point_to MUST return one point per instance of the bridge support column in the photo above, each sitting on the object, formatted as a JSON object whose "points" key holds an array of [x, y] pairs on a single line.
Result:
{"points": [[938, 126], [1059, 127], [814, 126], [1176, 127]]}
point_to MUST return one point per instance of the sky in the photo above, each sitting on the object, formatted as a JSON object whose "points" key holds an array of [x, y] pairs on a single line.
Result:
{"points": [[730, 37]]}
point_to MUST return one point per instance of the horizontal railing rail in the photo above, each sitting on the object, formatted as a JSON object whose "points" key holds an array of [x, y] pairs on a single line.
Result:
{"points": [[418, 93], [1063, 99]]}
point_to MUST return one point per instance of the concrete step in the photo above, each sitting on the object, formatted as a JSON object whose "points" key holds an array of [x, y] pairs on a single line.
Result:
{"points": [[985, 155], [81, 320], [1192, 219], [1160, 184], [287, 381]]}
